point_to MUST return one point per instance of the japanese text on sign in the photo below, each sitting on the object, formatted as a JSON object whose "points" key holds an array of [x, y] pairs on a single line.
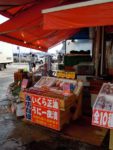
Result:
{"points": [[102, 118], [50, 114], [45, 111], [45, 102]]}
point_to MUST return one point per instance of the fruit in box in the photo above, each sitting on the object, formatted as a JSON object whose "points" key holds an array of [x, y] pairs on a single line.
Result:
{"points": [[58, 83]]}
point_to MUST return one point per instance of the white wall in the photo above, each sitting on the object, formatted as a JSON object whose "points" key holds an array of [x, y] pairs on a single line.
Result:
{"points": [[6, 53], [78, 45]]}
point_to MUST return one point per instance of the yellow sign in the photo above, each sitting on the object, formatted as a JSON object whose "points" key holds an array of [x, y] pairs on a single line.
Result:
{"points": [[67, 75], [61, 74], [70, 75]]}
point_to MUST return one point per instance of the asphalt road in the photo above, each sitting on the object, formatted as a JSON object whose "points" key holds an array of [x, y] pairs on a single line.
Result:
{"points": [[15, 134], [12, 129], [6, 77]]}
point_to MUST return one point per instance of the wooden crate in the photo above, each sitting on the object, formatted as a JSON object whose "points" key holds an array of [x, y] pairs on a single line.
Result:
{"points": [[111, 140], [67, 102], [22, 96], [66, 105], [67, 115]]}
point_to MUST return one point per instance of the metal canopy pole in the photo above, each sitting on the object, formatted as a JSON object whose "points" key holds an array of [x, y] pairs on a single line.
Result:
{"points": [[97, 51], [102, 65]]}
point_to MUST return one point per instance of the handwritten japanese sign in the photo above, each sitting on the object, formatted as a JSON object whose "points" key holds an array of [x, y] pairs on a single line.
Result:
{"points": [[28, 107], [45, 111], [103, 107], [102, 118]]}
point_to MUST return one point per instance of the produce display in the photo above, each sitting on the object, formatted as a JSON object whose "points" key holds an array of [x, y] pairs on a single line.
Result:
{"points": [[47, 90], [104, 103], [45, 81], [57, 85], [104, 100], [107, 89], [49, 101], [13, 90]]}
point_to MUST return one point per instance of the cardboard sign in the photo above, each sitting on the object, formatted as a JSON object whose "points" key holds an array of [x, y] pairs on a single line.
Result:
{"points": [[44, 111], [103, 108], [63, 74], [24, 83], [66, 89], [102, 118], [70, 75]]}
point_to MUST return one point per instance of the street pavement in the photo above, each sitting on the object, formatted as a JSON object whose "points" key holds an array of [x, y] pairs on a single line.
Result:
{"points": [[16, 134], [13, 132]]}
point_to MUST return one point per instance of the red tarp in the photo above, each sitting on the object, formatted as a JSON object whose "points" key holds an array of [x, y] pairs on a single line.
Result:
{"points": [[25, 27], [88, 16]]}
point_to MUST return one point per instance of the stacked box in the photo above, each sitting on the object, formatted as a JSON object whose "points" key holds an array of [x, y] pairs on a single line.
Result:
{"points": [[71, 60]]}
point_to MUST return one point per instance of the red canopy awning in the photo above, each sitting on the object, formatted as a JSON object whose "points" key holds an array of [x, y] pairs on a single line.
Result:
{"points": [[25, 26], [85, 16]]}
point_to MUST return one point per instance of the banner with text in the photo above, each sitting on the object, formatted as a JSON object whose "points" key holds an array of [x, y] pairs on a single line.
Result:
{"points": [[43, 110]]}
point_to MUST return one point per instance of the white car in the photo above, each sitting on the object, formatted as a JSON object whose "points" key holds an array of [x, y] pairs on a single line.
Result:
{"points": [[40, 59], [54, 58]]}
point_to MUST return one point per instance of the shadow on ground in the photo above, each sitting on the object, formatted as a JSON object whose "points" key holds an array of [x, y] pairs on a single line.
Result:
{"points": [[57, 143]]}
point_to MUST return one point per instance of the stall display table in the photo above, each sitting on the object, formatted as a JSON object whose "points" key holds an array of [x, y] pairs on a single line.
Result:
{"points": [[52, 109]]}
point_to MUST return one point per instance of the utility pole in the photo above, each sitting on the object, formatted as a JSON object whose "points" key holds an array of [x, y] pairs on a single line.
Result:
{"points": [[18, 48]]}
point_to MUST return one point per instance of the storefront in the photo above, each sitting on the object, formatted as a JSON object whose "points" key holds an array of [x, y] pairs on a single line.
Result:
{"points": [[55, 101]]}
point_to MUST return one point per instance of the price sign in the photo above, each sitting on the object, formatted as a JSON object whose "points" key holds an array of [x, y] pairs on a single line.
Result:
{"points": [[61, 74], [66, 89], [102, 118], [103, 108], [45, 111], [70, 75]]}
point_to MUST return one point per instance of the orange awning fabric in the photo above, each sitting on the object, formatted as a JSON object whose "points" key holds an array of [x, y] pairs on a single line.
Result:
{"points": [[87, 16], [25, 27]]}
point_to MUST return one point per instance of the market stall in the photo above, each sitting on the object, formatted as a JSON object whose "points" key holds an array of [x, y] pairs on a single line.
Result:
{"points": [[53, 102], [22, 80]]}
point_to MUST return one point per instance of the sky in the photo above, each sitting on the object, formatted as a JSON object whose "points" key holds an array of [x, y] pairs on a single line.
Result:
{"points": [[21, 49], [54, 49], [3, 19]]}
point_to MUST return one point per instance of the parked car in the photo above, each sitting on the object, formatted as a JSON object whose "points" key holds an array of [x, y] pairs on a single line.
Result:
{"points": [[21, 58], [40, 59], [54, 59], [16, 57], [6, 56]]}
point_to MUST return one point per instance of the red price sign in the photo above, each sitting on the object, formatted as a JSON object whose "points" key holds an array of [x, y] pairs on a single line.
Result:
{"points": [[102, 118], [45, 111], [43, 101], [46, 117]]}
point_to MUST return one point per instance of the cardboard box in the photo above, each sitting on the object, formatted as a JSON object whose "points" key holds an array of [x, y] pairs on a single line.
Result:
{"points": [[22, 96]]}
